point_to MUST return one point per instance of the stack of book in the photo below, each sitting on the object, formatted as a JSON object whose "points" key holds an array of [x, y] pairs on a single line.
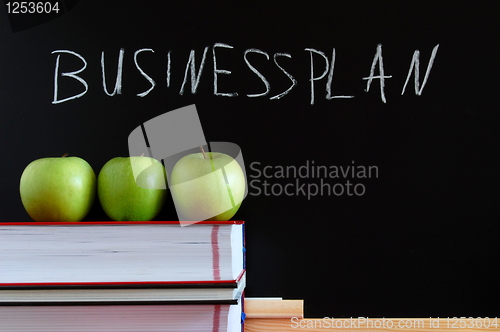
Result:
{"points": [[121, 276]]}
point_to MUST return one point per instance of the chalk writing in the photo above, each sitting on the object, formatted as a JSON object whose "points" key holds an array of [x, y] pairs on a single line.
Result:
{"points": [[252, 68], [70, 74], [143, 94], [321, 68], [218, 71], [377, 59], [119, 75], [415, 64]]}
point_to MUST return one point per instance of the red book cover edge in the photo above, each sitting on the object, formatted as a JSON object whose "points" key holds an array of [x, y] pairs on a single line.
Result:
{"points": [[83, 223], [127, 283]]}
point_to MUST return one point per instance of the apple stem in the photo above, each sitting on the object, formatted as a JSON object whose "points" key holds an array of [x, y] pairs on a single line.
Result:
{"points": [[203, 151], [65, 155]]}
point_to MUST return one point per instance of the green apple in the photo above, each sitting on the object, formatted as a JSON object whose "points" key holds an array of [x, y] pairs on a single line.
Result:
{"points": [[132, 188], [207, 186], [58, 189]]}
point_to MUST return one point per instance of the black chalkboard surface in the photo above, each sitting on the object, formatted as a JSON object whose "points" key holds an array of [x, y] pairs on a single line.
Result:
{"points": [[395, 99]]}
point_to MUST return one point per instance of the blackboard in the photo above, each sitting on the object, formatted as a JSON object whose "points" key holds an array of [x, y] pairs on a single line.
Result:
{"points": [[300, 86]]}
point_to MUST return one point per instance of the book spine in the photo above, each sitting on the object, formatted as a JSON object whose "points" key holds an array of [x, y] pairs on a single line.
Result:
{"points": [[244, 248]]}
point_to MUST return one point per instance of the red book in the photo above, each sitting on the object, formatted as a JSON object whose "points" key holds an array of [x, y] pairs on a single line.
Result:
{"points": [[121, 262]]}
